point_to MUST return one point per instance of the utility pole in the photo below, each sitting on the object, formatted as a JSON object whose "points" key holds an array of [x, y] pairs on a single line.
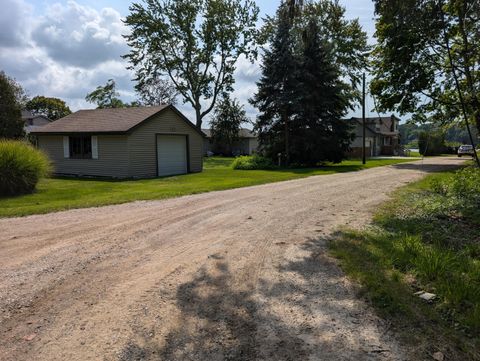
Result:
{"points": [[364, 155]]}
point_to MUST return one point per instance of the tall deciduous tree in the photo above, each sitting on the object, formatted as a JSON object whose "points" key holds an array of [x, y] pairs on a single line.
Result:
{"points": [[196, 43], [52, 108], [422, 46], [226, 123], [106, 96], [11, 124]]}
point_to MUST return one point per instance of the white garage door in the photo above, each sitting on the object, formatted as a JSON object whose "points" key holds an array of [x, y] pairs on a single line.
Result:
{"points": [[172, 154]]}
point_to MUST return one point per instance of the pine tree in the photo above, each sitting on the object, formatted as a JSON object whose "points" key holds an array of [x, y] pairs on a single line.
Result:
{"points": [[276, 90], [319, 132]]}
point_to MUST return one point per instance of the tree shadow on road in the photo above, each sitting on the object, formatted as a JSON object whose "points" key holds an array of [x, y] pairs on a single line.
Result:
{"points": [[220, 318]]}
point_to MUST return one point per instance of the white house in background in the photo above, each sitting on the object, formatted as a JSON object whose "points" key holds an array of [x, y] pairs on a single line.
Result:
{"points": [[247, 143]]}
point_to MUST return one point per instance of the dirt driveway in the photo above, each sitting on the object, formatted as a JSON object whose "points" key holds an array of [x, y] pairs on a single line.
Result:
{"points": [[232, 275]]}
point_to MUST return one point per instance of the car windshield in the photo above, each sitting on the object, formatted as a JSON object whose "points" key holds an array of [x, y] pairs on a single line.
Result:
{"points": [[466, 147]]}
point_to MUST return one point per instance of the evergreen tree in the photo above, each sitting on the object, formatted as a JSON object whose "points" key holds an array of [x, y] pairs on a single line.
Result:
{"points": [[276, 91], [319, 132], [226, 123], [11, 124]]}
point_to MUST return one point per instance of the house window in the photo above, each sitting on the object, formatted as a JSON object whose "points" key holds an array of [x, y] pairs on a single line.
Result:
{"points": [[80, 147], [387, 141]]}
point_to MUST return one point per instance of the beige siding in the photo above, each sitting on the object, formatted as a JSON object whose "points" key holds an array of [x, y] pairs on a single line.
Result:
{"points": [[112, 157], [142, 147]]}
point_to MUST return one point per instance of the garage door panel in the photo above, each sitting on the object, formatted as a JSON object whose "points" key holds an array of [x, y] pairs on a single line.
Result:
{"points": [[172, 154]]}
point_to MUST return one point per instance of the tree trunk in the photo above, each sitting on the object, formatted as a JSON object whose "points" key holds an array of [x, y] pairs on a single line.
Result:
{"points": [[198, 115], [287, 140]]}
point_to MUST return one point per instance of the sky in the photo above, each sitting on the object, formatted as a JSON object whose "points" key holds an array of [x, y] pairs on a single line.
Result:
{"points": [[66, 49]]}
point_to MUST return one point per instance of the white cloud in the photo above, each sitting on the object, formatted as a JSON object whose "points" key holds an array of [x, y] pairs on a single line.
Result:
{"points": [[14, 25], [77, 35]]}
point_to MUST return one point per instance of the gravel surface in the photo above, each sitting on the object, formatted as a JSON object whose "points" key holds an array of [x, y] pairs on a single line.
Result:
{"points": [[232, 275]]}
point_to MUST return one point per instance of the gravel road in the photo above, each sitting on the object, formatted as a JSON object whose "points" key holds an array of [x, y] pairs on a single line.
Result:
{"points": [[232, 275]]}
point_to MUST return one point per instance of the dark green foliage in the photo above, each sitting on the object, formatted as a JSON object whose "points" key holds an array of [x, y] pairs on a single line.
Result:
{"points": [[454, 133], [252, 162], [11, 124], [412, 63], [346, 36], [226, 123], [275, 98], [21, 167], [195, 43], [432, 143], [301, 98], [319, 132], [106, 96], [52, 108]]}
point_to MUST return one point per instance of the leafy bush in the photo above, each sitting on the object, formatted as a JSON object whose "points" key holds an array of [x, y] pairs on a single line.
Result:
{"points": [[252, 162], [432, 143], [21, 167], [464, 185]]}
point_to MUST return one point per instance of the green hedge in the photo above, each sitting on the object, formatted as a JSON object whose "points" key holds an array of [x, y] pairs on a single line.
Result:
{"points": [[21, 167], [252, 162]]}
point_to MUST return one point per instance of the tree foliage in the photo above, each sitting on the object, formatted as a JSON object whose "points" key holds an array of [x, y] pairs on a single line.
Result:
{"points": [[156, 91], [226, 123], [11, 123], [106, 96], [300, 97], [195, 43], [412, 68], [346, 38], [277, 90], [52, 108]]}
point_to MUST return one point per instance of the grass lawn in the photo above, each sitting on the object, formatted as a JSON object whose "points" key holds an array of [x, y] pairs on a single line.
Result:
{"points": [[426, 239], [55, 194]]}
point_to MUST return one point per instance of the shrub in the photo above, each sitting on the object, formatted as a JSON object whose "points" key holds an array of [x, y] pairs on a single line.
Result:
{"points": [[252, 162], [21, 167], [431, 143]]}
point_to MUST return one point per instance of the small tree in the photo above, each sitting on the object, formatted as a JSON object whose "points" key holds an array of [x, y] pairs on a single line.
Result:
{"points": [[11, 123], [226, 123], [196, 43], [106, 96], [52, 108]]}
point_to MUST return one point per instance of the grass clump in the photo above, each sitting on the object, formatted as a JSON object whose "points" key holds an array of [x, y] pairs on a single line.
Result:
{"points": [[21, 167], [426, 239], [252, 162]]}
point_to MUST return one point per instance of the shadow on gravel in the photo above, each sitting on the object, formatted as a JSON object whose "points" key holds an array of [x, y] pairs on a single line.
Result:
{"points": [[222, 318], [428, 168]]}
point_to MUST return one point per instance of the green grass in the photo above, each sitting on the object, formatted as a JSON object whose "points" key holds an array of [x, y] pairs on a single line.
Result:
{"points": [[426, 239], [55, 194]]}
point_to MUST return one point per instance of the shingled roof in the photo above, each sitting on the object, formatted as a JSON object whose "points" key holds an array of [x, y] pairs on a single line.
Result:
{"points": [[109, 120], [242, 133]]}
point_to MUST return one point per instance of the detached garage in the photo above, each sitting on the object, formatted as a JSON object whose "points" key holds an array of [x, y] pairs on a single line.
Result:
{"points": [[140, 142]]}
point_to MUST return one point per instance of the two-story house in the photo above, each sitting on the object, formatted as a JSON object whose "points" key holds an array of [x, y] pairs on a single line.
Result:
{"points": [[382, 136]]}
